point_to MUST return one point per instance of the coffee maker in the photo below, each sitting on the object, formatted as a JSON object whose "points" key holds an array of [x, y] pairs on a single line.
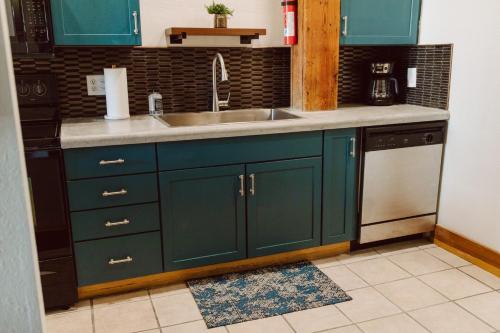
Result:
{"points": [[383, 87]]}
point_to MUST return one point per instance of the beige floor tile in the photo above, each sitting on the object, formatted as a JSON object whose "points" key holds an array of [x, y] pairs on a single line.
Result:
{"points": [[82, 305], [419, 262], [193, 327], [449, 318], [410, 294], [357, 256], [401, 247], [367, 304], [125, 317], [152, 331], [141, 295], [394, 324], [484, 276], [173, 289], [267, 325], [346, 329], [176, 309], [344, 277], [485, 306], [447, 257], [454, 284], [70, 322], [378, 271], [318, 319], [326, 262]]}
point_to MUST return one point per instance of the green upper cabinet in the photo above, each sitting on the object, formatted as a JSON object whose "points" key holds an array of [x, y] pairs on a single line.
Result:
{"points": [[96, 22], [283, 206], [379, 22], [203, 216], [339, 186]]}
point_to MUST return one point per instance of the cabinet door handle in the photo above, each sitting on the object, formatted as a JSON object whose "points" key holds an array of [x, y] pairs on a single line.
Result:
{"points": [[120, 261], [110, 224], [242, 185], [111, 194], [252, 187], [344, 31], [118, 161], [136, 24], [353, 147]]}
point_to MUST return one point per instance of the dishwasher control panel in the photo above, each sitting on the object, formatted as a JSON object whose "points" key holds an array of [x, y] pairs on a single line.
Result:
{"points": [[402, 136]]}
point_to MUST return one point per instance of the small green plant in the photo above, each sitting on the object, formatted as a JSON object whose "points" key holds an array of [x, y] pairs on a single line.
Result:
{"points": [[219, 9]]}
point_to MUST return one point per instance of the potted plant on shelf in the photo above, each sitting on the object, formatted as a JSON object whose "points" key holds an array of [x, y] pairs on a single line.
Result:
{"points": [[220, 12]]}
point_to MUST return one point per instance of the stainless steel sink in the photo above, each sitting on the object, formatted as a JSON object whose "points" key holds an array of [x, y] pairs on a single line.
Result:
{"points": [[223, 117]]}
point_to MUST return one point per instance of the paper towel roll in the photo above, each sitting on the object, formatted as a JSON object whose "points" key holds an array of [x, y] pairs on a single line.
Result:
{"points": [[115, 80]]}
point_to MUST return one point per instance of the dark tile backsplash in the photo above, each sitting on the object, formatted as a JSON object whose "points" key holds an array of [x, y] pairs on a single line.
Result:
{"points": [[259, 78], [433, 63]]}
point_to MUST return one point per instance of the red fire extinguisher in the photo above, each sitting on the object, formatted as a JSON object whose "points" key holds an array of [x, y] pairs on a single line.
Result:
{"points": [[290, 21]]}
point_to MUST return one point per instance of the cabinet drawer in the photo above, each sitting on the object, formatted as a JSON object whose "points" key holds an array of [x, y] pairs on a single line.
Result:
{"points": [[112, 191], [204, 153], [116, 221], [118, 258], [109, 161]]}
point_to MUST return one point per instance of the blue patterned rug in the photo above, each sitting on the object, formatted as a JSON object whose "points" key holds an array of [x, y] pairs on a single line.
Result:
{"points": [[271, 291]]}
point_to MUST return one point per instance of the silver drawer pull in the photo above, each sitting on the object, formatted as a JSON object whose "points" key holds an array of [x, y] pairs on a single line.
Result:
{"points": [[242, 185], [110, 194], [120, 261], [353, 147], [118, 161], [110, 224], [252, 188]]}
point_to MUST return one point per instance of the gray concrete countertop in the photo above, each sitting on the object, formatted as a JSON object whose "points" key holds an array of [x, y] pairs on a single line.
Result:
{"points": [[96, 132]]}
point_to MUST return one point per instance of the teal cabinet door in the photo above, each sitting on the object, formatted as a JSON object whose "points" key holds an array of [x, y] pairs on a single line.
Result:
{"points": [[380, 22], [283, 205], [203, 216], [339, 186], [96, 22]]}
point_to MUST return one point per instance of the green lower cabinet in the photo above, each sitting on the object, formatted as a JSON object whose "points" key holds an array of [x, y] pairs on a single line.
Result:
{"points": [[283, 205], [118, 258], [339, 186], [203, 216]]}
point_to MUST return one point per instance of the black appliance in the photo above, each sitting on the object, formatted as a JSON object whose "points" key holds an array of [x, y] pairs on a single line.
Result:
{"points": [[40, 122], [383, 87], [30, 26]]}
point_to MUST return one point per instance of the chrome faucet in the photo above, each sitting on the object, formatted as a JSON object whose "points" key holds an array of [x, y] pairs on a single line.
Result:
{"points": [[216, 104]]}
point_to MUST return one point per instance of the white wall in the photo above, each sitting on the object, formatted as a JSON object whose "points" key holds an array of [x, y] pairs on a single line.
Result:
{"points": [[158, 15], [470, 199], [21, 309]]}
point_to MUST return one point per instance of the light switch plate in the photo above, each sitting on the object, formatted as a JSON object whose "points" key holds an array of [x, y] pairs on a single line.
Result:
{"points": [[95, 85], [412, 78]]}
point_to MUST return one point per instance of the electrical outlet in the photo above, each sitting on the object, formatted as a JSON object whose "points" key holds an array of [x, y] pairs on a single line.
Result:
{"points": [[95, 85]]}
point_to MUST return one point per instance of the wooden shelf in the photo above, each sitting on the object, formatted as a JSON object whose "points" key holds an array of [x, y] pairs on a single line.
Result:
{"points": [[176, 35]]}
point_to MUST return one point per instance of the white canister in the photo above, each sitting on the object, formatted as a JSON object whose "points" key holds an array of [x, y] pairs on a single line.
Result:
{"points": [[115, 80], [155, 100]]}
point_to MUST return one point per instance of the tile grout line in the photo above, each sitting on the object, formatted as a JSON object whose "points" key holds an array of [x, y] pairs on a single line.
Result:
{"points": [[452, 300], [92, 314], [475, 277], [472, 314], [290, 325], [154, 309]]}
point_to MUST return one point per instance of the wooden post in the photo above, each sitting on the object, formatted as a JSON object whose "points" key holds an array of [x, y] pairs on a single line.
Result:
{"points": [[315, 59]]}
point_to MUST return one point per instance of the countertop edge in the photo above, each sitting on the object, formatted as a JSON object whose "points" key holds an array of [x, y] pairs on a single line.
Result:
{"points": [[319, 122]]}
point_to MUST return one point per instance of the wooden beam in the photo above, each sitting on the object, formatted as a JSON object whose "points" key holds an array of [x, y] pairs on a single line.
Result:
{"points": [[212, 270], [315, 58], [479, 255]]}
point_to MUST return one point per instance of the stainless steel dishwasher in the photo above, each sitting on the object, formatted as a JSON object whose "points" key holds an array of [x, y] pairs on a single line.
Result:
{"points": [[400, 180]]}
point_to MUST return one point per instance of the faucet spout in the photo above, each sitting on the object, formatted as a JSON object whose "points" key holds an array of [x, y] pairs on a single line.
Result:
{"points": [[216, 103]]}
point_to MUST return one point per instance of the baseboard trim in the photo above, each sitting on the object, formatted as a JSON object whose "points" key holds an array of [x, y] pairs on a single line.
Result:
{"points": [[161, 279], [482, 256]]}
